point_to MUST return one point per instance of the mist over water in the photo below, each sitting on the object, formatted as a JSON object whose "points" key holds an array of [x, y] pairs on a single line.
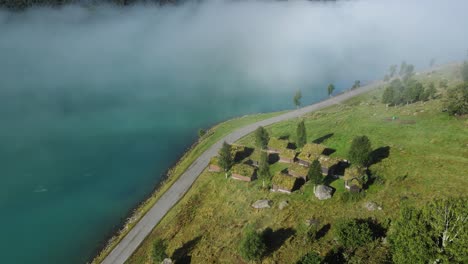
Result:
{"points": [[97, 102]]}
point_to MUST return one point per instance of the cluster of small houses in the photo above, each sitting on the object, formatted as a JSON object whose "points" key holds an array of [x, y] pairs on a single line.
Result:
{"points": [[292, 178]]}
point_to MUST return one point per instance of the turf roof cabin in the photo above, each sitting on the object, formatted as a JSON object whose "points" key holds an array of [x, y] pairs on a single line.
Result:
{"points": [[254, 158], [238, 152], [298, 171], [243, 172], [353, 178], [214, 165], [330, 165], [276, 145], [287, 156], [284, 183], [309, 153]]}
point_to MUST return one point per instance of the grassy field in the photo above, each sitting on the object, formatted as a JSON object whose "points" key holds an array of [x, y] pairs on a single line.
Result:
{"points": [[211, 137], [427, 158]]}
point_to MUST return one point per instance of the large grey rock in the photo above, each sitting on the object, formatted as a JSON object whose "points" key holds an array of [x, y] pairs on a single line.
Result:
{"points": [[283, 205], [260, 204], [167, 261], [372, 206], [323, 192]]}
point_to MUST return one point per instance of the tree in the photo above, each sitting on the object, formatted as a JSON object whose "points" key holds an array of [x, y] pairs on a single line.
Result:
{"points": [[201, 132], [297, 98], [356, 84], [314, 174], [159, 250], [310, 258], [408, 73], [402, 68], [252, 245], [352, 233], [388, 95], [360, 150], [457, 100], [330, 89], [386, 78], [434, 234], [392, 70], [264, 168], [429, 93], [413, 91], [225, 158], [261, 137], [443, 84], [301, 134], [464, 71]]}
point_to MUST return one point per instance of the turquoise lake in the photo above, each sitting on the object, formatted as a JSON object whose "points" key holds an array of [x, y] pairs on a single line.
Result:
{"points": [[97, 103]]}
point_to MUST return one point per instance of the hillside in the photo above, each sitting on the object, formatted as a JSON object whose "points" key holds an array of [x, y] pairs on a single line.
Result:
{"points": [[422, 155]]}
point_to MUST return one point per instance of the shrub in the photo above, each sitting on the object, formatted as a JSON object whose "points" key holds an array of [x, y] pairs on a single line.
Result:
{"points": [[351, 197], [310, 258], [352, 234], [457, 100], [252, 246], [159, 250], [360, 150]]}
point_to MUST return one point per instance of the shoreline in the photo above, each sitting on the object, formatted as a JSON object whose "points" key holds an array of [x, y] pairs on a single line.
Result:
{"points": [[134, 215]]}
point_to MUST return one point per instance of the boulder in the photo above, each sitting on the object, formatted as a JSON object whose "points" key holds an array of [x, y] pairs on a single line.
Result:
{"points": [[283, 205], [167, 261], [372, 206], [312, 222], [323, 192], [260, 204]]}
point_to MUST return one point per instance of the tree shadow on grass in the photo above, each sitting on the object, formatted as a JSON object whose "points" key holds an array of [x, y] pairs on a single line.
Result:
{"points": [[379, 154], [323, 231], [328, 151], [243, 154], [182, 254], [275, 239], [273, 158], [321, 139]]}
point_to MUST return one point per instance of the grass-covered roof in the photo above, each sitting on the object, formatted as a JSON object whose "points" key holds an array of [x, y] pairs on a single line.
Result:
{"points": [[311, 151], [214, 161], [243, 170], [288, 153], [327, 162], [299, 169], [236, 149], [354, 172], [255, 156], [284, 181], [277, 143]]}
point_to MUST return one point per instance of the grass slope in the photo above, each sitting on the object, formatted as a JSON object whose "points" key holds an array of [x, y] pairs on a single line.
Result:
{"points": [[428, 157]]}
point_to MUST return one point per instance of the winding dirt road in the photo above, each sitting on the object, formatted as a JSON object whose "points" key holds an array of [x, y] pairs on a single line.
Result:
{"points": [[139, 232]]}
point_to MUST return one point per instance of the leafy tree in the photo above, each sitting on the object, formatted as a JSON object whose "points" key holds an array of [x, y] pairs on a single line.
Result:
{"points": [[388, 95], [360, 150], [297, 98], [372, 253], [443, 84], [413, 91], [261, 137], [356, 84], [392, 70], [403, 66], [314, 174], [264, 168], [310, 258], [301, 134], [408, 73], [457, 100], [330, 89], [252, 246], [352, 234], [434, 234], [225, 158], [159, 250], [430, 92], [201, 132], [464, 71]]}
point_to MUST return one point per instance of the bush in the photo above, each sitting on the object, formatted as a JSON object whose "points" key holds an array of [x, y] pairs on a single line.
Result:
{"points": [[360, 150], [352, 234], [351, 197], [201, 132], [159, 250], [310, 258], [457, 100], [252, 246]]}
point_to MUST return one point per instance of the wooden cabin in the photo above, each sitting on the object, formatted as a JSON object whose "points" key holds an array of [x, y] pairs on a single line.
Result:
{"points": [[298, 171], [353, 178], [243, 172], [276, 145], [284, 183], [309, 153], [213, 166], [287, 156]]}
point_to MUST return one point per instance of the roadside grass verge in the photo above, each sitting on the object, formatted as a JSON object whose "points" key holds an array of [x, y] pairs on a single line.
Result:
{"points": [[211, 137], [427, 157]]}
